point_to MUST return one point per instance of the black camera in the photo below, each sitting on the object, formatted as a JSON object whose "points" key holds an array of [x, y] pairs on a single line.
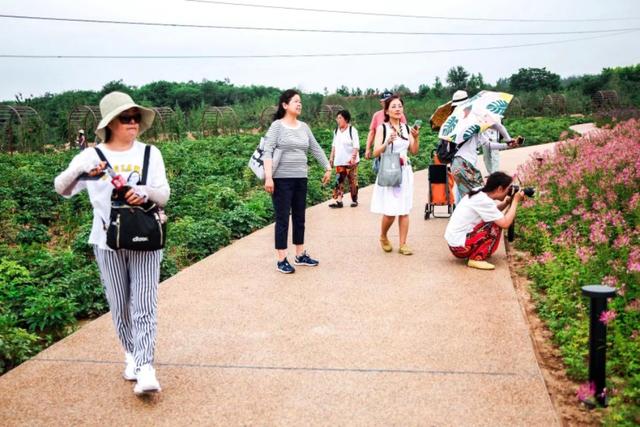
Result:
{"points": [[528, 191]]}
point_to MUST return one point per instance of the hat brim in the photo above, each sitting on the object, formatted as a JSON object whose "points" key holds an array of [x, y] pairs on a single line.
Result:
{"points": [[456, 103], [145, 123]]}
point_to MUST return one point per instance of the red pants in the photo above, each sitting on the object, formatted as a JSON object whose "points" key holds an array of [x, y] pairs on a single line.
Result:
{"points": [[349, 173], [481, 242]]}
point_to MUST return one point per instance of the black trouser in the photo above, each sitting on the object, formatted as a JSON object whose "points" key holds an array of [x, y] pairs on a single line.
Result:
{"points": [[289, 195]]}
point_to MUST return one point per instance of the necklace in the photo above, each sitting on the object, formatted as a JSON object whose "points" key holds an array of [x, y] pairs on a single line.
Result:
{"points": [[398, 130]]}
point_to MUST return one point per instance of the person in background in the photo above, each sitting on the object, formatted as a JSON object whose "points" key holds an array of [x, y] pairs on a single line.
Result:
{"points": [[463, 167], [474, 229], [491, 157], [81, 140], [376, 120], [345, 157], [288, 183], [394, 202], [130, 277]]}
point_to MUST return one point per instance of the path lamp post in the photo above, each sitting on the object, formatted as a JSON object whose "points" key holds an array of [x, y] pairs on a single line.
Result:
{"points": [[598, 337]]}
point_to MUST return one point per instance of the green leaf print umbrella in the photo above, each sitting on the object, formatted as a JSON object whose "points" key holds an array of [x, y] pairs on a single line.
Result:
{"points": [[475, 115]]}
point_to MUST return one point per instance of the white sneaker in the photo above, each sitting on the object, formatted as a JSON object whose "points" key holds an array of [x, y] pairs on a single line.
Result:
{"points": [[146, 380], [129, 373]]}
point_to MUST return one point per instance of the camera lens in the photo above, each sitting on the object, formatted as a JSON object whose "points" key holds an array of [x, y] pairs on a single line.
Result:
{"points": [[529, 191]]}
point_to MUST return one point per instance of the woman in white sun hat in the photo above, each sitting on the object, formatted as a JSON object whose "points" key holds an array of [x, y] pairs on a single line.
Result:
{"points": [[130, 277]]}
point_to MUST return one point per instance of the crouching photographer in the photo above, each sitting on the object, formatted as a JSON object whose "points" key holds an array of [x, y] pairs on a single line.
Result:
{"points": [[475, 226]]}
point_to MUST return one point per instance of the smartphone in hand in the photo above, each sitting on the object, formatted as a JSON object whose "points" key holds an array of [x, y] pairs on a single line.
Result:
{"points": [[417, 124], [86, 177]]}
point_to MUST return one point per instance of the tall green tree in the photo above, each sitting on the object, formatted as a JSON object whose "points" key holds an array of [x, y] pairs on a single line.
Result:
{"points": [[457, 77], [530, 79], [438, 88], [476, 83]]}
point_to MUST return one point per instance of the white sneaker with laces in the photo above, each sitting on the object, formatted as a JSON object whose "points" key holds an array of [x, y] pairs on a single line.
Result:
{"points": [[129, 373], [146, 380]]}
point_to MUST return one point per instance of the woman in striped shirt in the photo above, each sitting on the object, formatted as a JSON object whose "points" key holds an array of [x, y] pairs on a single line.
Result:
{"points": [[288, 183]]}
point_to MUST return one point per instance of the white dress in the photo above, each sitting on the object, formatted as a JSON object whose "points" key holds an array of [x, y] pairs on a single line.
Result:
{"points": [[394, 201]]}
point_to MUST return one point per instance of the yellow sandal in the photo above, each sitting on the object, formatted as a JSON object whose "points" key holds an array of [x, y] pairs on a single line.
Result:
{"points": [[386, 244], [405, 250]]}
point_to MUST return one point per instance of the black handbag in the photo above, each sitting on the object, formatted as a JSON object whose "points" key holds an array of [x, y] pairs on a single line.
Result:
{"points": [[138, 228]]}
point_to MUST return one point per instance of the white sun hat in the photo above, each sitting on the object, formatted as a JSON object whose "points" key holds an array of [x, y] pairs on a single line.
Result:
{"points": [[459, 97], [114, 103]]}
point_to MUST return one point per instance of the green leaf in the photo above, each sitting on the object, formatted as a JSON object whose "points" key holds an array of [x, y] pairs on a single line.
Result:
{"points": [[498, 107], [472, 130], [449, 125]]}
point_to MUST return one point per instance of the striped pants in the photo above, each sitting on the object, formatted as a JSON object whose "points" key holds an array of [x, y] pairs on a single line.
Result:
{"points": [[130, 279]]}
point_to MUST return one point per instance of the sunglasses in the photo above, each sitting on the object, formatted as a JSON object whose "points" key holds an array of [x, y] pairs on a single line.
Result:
{"points": [[126, 118]]}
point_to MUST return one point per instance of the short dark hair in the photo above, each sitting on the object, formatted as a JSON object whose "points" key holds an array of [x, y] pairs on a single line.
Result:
{"points": [[346, 115]]}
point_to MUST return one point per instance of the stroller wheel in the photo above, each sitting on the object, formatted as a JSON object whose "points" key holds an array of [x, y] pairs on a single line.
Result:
{"points": [[427, 211]]}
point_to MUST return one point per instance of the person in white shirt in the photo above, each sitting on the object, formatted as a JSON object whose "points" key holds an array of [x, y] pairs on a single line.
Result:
{"points": [[474, 228], [491, 157], [345, 157], [130, 277], [463, 167]]}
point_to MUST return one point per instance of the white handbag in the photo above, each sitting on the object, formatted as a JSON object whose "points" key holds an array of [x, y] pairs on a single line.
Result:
{"points": [[256, 162]]}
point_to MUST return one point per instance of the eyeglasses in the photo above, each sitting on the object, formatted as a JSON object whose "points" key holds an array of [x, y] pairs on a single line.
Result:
{"points": [[126, 118]]}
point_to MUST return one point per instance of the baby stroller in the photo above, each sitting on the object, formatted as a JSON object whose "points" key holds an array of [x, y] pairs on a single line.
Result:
{"points": [[441, 190]]}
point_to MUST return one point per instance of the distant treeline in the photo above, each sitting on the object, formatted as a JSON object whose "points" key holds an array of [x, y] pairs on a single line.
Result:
{"points": [[530, 85]]}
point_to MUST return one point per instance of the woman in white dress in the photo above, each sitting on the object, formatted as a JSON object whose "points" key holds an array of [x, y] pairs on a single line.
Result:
{"points": [[394, 202]]}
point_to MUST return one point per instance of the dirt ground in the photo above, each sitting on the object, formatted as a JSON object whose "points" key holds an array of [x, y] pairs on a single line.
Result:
{"points": [[562, 390]]}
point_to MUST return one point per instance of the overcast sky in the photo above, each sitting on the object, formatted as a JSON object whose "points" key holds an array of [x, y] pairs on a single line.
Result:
{"points": [[37, 76]]}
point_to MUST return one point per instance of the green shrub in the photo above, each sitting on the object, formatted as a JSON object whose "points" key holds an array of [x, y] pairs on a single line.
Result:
{"points": [[49, 313], [200, 238], [83, 288], [16, 344], [241, 221]]}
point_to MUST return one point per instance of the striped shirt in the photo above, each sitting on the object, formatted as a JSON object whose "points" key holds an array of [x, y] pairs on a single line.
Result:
{"points": [[294, 143]]}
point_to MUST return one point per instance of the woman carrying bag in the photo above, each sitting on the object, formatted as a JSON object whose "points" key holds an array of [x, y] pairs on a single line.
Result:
{"points": [[288, 183], [130, 277], [394, 140]]}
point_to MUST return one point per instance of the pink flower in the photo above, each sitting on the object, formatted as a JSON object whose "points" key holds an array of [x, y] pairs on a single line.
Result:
{"points": [[586, 391], [607, 316], [599, 205], [598, 232], [635, 334], [633, 305], [563, 219], [584, 253], [542, 226], [545, 257], [635, 199], [622, 241], [633, 263], [528, 203], [579, 211], [610, 281]]}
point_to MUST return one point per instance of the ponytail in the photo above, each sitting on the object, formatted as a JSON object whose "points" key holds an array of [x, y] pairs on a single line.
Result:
{"points": [[495, 180]]}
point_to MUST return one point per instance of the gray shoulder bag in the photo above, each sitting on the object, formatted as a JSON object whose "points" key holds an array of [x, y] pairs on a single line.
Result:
{"points": [[390, 173]]}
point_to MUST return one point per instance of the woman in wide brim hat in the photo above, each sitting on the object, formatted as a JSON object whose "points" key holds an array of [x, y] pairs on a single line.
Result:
{"points": [[113, 104], [130, 277]]}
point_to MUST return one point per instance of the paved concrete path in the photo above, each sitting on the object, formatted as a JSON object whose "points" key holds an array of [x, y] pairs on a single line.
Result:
{"points": [[366, 338]]}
